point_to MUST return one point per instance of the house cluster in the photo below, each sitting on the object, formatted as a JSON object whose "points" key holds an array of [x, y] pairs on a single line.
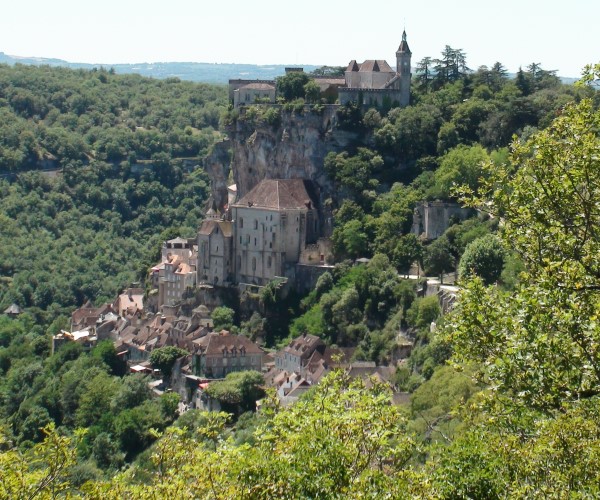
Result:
{"points": [[91, 324], [372, 83], [307, 359], [263, 236]]}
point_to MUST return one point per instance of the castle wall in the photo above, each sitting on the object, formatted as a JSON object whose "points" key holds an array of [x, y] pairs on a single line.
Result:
{"points": [[431, 219], [368, 98]]}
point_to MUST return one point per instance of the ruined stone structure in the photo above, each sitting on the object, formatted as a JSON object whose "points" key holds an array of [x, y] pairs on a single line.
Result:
{"points": [[432, 218]]}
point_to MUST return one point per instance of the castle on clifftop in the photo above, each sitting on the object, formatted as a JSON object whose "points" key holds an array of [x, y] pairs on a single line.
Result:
{"points": [[373, 83]]}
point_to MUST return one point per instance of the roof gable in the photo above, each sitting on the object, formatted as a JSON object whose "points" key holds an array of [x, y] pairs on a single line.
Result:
{"points": [[378, 66], [280, 194]]}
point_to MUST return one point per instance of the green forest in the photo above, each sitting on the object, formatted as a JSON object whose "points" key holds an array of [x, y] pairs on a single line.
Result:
{"points": [[503, 392]]}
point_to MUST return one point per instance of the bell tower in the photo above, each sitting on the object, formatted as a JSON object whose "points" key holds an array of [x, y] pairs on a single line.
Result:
{"points": [[403, 55]]}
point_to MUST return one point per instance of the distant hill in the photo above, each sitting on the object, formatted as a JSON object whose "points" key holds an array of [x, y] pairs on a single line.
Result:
{"points": [[196, 72], [218, 73]]}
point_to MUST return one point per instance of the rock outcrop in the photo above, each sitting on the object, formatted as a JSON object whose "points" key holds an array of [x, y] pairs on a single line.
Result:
{"points": [[294, 148]]}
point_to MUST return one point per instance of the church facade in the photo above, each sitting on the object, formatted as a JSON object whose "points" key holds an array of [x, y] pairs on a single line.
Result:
{"points": [[261, 236]]}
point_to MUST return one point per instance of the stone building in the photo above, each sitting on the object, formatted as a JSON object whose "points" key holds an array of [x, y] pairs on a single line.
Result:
{"points": [[217, 354], [177, 270], [272, 224], [432, 218], [373, 83], [255, 92], [215, 250]]}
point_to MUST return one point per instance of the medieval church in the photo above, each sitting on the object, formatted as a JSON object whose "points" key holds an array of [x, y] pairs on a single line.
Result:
{"points": [[372, 83], [274, 231]]}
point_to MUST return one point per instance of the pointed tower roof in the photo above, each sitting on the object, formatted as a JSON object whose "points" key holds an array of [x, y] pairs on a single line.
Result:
{"points": [[213, 211], [403, 48]]}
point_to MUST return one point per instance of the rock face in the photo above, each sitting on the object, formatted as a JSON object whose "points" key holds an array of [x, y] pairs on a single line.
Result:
{"points": [[295, 148], [217, 165]]}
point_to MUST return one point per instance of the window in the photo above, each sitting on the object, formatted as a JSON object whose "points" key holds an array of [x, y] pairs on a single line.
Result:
{"points": [[253, 263], [240, 238], [254, 241], [269, 261], [241, 222], [247, 238], [255, 224]]}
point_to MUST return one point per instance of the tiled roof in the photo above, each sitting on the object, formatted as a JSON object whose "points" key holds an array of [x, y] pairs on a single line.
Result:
{"points": [[258, 86], [214, 344], [280, 194], [208, 226], [304, 345], [376, 65], [352, 66], [392, 81]]}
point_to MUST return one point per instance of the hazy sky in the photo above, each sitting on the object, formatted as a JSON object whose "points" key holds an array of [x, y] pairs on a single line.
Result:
{"points": [[559, 35]]}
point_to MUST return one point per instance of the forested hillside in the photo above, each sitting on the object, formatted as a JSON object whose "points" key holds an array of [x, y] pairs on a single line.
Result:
{"points": [[118, 143], [504, 390]]}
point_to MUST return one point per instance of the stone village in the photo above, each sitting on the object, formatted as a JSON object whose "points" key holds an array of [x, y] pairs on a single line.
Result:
{"points": [[276, 232]]}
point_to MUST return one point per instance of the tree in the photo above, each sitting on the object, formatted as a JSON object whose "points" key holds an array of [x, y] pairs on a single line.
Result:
{"points": [[312, 91], [424, 73], [483, 257], [540, 343], [350, 240], [438, 258], [105, 350], [164, 358], [462, 165], [423, 312], [238, 392], [222, 318], [291, 85], [134, 390]]}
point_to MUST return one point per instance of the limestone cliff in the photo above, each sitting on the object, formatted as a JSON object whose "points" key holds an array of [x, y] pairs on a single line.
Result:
{"points": [[218, 164], [294, 147]]}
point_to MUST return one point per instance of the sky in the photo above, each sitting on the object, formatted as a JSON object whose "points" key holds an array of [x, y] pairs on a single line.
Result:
{"points": [[562, 36]]}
